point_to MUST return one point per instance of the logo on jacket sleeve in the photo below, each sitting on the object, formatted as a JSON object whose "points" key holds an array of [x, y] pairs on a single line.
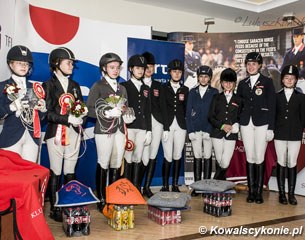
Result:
{"points": [[145, 93], [181, 96], [156, 92]]}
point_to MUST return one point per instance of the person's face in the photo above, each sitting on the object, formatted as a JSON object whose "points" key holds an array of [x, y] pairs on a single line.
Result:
{"points": [[253, 67], [289, 81], [149, 71], [66, 66], [203, 79], [20, 68], [228, 86], [138, 72], [113, 69], [189, 46], [298, 39], [176, 75]]}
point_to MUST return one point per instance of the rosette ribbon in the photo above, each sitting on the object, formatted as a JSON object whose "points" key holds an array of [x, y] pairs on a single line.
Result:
{"points": [[61, 136], [40, 93]]}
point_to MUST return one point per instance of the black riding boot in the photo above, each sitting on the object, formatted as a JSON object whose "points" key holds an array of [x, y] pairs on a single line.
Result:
{"points": [[127, 170], [280, 176], [197, 173], [166, 167], [260, 170], [142, 171], [101, 180], [176, 170], [136, 175], [251, 182], [54, 183], [292, 177], [220, 173], [207, 171], [149, 176], [114, 174], [69, 177]]}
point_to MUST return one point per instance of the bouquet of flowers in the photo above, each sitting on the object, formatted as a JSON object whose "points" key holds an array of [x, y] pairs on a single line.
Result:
{"points": [[116, 101], [78, 108], [11, 90]]}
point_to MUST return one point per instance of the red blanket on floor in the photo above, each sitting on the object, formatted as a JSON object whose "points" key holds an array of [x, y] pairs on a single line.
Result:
{"points": [[22, 188]]}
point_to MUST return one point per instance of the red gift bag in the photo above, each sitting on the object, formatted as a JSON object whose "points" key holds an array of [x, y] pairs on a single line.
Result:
{"points": [[22, 188]]}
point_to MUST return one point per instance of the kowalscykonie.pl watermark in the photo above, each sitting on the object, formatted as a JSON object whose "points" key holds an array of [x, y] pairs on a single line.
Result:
{"points": [[255, 232]]}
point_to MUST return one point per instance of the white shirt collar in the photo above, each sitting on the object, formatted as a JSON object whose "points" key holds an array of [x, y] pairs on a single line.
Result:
{"points": [[112, 82], [147, 81], [64, 81]]}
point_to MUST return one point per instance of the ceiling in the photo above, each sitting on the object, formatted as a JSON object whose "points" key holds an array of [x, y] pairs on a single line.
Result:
{"points": [[232, 9]]}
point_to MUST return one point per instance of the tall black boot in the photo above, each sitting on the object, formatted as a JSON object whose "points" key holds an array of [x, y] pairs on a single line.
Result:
{"points": [[176, 170], [54, 183], [114, 174], [101, 180], [251, 182], [260, 170], [292, 177], [197, 173], [207, 171], [136, 174], [149, 176], [142, 172], [220, 173], [127, 170], [280, 176], [69, 177], [166, 167]]}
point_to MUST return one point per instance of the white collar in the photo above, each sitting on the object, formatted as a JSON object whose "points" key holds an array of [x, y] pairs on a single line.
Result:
{"points": [[18, 80], [147, 81], [110, 80], [174, 84], [62, 77]]}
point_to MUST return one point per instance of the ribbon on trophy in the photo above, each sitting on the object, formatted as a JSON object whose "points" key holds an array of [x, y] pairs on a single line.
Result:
{"points": [[40, 93], [61, 136]]}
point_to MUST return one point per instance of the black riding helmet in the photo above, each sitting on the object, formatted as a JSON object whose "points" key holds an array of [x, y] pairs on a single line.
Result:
{"points": [[137, 60], [175, 64], [254, 57], [150, 58], [19, 53], [59, 54], [22, 54], [228, 75], [205, 70], [108, 58]]}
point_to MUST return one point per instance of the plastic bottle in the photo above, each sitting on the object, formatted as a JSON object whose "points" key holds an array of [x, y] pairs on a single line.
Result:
{"points": [[130, 217]]}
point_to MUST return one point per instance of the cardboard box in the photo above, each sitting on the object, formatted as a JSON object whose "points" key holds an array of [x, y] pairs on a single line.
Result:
{"points": [[164, 217]]}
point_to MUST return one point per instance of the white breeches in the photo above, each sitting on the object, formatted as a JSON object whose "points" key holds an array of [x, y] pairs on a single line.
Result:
{"points": [[25, 147], [224, 150], [151, 151], [110, 149], [254, 140], [138, 137], [200, 145], [287, 152], [174, 145], [68, 154]]}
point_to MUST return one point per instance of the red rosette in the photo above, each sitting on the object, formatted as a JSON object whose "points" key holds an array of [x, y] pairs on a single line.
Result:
{"points": [[66, 99], [129, 145], [38, 90]]}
